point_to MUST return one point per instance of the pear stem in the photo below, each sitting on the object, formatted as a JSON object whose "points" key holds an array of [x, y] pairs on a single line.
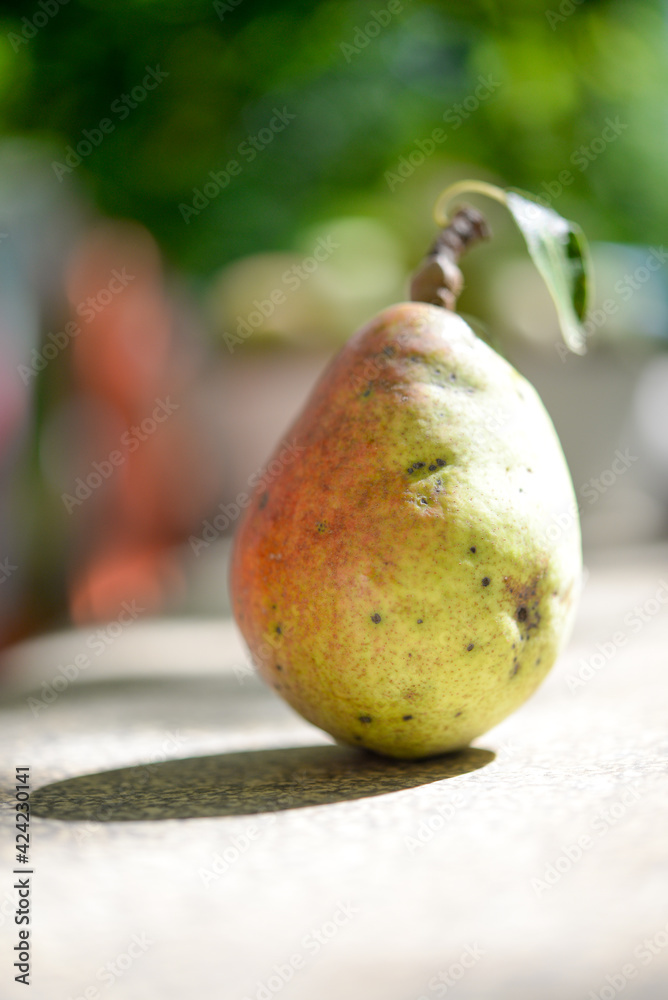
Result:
{"points": [[438, 280], [469, 187]]}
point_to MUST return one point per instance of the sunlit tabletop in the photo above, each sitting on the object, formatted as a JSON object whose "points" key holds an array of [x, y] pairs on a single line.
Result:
{"points": [[192, 837]]}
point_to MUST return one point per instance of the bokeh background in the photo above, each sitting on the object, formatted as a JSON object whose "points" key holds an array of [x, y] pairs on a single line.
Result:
{"points": [[168, 167]]}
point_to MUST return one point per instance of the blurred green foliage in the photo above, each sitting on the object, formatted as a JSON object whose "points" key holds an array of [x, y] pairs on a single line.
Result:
{"points": [[359, 107]]}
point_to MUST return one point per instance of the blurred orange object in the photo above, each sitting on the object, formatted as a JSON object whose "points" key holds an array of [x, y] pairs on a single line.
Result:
{"points": [[139, 451]]}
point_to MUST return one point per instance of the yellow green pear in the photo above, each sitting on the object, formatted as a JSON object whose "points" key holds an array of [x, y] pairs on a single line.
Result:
{"points": [[407, 581]]}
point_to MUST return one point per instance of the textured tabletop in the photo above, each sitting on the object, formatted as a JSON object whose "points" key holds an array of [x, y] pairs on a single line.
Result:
{"points": [[192, 837]]}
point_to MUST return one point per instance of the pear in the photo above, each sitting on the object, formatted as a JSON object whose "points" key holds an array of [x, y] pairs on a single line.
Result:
{"points": [[410, 578]]}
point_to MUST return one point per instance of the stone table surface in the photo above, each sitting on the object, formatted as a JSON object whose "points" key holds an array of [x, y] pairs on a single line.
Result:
{"points": [[191, 837]]}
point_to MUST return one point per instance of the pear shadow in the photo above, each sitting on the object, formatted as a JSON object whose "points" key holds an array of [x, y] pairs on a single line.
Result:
{"points": [[238, 784]]}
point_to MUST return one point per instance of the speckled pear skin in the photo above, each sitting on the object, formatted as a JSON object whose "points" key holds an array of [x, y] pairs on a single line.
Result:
{"points": [[403, 583]]}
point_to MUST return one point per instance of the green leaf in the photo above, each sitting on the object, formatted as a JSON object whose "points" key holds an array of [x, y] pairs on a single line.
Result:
{"points": [[559, 251]]}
